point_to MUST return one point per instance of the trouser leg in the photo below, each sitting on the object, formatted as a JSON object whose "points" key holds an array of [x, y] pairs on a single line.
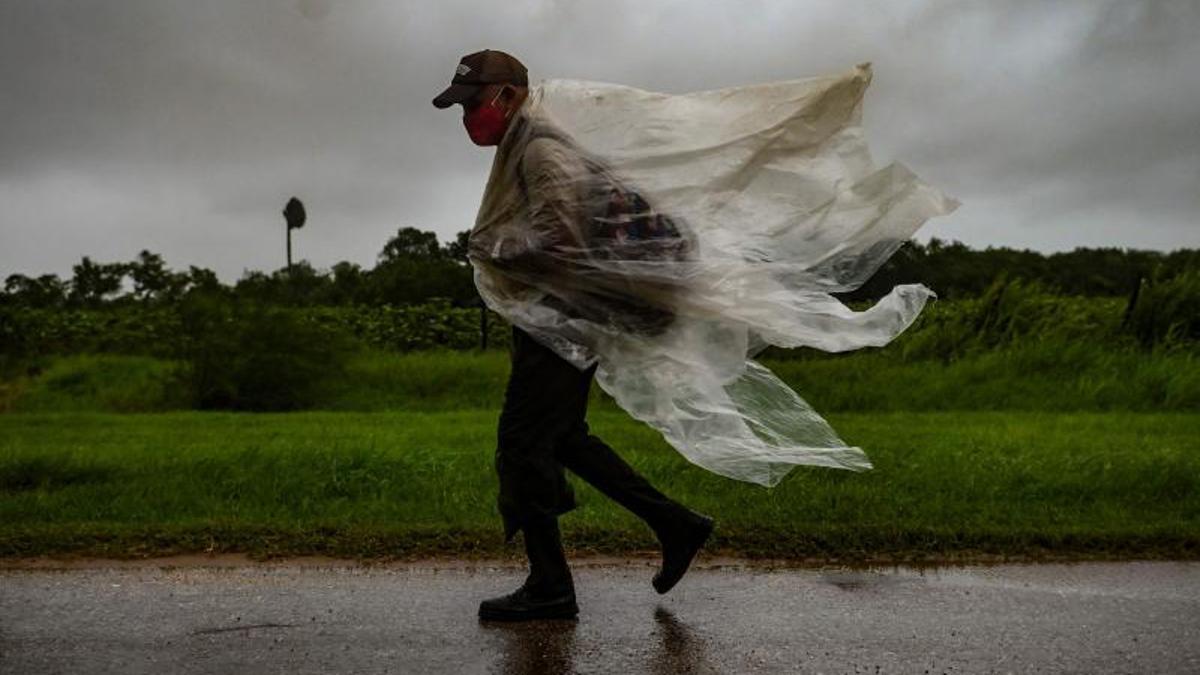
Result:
{"points": [[548, 568], [543, 429], [545, 397], [594, 461]]}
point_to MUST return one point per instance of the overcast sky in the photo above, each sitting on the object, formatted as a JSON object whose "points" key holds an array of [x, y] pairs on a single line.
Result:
{"points": [[183, 126]]}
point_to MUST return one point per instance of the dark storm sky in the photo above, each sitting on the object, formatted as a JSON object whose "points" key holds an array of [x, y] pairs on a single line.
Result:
{"points": [[183, 126]]}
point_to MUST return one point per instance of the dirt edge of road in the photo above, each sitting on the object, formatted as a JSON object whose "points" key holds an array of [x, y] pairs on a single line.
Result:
{"points": [[635, 559]]}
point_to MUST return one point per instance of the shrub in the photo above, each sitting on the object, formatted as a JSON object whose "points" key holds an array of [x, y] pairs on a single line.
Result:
{"points": [[108, 382], [1166, 311], [250, 356], [1010, 311]]}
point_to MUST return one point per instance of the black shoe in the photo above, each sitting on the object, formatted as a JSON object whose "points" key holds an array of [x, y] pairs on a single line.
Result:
{"points": [[679, 548], [524, 605], [548, 591]]}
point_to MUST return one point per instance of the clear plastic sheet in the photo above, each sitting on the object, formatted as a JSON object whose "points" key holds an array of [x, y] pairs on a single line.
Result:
{"points": [[671, 238]]}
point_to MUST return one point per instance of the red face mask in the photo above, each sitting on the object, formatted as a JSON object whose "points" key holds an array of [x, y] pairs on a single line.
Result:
{"points": [[486, 123]]}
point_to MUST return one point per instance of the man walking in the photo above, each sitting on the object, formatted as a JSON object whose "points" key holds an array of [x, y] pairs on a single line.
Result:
{"points": [[542, 428]]}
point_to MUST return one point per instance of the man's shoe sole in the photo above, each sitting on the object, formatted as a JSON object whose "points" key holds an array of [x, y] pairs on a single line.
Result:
{"points": [[661, 585], [547, 612]]}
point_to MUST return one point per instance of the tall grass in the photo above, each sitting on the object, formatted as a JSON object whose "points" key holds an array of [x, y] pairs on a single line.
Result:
{"points": [[1050, 375], [1167, 311], [98, 382], [1046, 375], [1009, 313], [418, 482], [1017, 347]]}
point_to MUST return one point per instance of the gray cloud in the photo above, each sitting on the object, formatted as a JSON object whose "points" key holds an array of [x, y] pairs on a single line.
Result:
{"points": [[182, 127]]}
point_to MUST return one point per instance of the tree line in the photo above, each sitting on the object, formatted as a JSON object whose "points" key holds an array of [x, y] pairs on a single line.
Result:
{"points": [[414, 267]]}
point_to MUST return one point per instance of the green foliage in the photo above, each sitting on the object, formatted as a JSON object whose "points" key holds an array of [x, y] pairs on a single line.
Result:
{"points": [[264, 346], [405, 281], [423, 482], [401, 279], [93, 283], [411, 243], [1167, 311], [107, 382], [1013, 316], [434, 325], [956, 271], [41, 473], [27, 333], [457, 249], [1007, 312], [1010, 311], [427, 380], [249, 356], [1042, 375], [152, 280], [46, 290], [414, 268]]}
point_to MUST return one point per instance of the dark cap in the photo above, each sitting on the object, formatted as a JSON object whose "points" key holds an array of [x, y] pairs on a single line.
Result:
{"points": [[489, 66]]}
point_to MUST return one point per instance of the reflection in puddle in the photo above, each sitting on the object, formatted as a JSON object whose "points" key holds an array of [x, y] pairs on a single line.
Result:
{"points": [[854, 581], [547, 647], [846, 582], [541, 647], [679, 649]]}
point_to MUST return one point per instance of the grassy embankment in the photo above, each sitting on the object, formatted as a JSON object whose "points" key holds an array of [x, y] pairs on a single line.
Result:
{"points": [[952, 478], [1033, 376]]}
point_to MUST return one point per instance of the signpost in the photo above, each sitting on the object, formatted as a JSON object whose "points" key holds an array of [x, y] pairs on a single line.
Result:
{"points": [[295, 216]]}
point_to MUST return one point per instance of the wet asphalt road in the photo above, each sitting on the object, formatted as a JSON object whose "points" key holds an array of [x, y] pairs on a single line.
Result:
{"points": [[1084, 618]]}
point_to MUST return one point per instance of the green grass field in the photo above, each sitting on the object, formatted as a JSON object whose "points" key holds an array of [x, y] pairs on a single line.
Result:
{"points": [[947, 484], [1035, 376]]}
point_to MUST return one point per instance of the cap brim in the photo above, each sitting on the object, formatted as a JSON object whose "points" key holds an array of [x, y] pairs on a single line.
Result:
{"points": [[456, 93]]}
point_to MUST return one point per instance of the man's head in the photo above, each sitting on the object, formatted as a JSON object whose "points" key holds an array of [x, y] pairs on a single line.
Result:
{"points": [[490, 85]]}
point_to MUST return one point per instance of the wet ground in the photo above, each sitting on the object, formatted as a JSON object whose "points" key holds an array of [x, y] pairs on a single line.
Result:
{"points": [[420, 618]]}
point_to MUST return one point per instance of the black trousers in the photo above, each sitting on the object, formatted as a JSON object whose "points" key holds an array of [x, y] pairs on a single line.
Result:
{"points": [[543, 431]]}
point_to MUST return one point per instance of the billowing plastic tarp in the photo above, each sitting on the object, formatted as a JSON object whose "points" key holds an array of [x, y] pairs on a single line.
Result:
{"points": [[670, 238]]}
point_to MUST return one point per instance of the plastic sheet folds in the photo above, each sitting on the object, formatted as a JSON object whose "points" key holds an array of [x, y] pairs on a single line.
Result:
{"points": [[671, 238]]}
